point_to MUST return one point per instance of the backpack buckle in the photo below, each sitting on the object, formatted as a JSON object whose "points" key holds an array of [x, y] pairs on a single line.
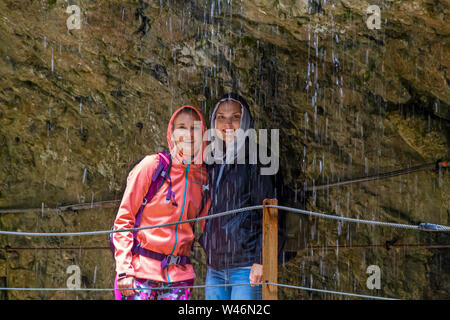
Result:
{"points": [[173, 259]]}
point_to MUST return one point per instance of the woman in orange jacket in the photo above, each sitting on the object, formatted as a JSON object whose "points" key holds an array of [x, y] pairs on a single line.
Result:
{"points": [[159, 257]]}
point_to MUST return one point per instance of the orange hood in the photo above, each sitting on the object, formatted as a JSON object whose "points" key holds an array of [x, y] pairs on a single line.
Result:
{"points": [[177, 156]]}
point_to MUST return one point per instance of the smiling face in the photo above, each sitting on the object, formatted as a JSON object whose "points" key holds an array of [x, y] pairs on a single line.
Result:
{"points": [[187, 133], [228, 120]]}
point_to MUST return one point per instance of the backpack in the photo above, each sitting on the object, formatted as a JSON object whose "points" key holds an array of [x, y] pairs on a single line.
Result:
{"points": [[161, 174]]}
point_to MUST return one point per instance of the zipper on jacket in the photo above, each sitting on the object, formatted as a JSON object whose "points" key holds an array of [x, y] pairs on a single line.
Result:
{"points": [[181, 215]]}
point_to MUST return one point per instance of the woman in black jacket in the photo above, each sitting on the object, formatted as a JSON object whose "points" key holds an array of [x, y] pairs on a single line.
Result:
{"points": [[233, 243]]}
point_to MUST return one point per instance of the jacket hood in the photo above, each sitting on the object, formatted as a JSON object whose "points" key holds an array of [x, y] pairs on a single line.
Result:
{"points": [[176, 154], [246, 123], [246, 117]]}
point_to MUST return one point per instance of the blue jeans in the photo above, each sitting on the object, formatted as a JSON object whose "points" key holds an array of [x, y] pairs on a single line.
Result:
{"points": [[231, 276]]}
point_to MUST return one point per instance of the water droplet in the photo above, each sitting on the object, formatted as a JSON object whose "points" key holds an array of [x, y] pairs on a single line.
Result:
{"points": [[366, 166], [95, 274], [84, 175], [52, 64]]}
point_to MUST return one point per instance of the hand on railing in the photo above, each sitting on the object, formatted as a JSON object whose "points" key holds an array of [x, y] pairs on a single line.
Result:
{"points": [[128, 282], [256, 274]]}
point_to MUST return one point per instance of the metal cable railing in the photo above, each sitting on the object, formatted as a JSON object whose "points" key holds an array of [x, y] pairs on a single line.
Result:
{"points": [[386, 246], [422, 226], [204, 286], [435, 165]]}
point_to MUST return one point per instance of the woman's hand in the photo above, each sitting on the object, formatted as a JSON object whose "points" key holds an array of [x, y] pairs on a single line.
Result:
{"points": [[256, 274], [124, 283]]}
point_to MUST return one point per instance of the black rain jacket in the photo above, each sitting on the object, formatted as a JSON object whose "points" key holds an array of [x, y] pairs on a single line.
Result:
{"points": [[235, 240]]}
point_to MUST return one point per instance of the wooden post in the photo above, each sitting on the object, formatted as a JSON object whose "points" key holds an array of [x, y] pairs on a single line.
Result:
{"points": [[270, 250]]}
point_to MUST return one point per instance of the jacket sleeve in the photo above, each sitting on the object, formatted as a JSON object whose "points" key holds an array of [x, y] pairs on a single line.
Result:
{"points": [[206, 201], [262, 189], [205, 209], [138, 183]]}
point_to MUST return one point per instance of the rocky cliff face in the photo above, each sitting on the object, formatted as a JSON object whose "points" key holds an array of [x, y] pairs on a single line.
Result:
{"points": [[79, 106]]}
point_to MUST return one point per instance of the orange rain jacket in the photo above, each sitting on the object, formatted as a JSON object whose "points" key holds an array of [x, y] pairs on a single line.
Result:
{"points": [[188, 181]]}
